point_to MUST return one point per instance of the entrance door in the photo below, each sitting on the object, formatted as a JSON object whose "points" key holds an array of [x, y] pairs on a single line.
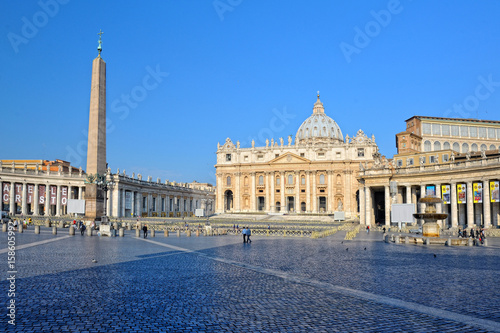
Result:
{"points": [[291, 204], [228, 202], [322, 204], [261, 203]]}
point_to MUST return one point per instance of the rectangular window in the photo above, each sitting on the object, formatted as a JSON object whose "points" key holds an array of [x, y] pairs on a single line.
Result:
{"points": [[454, 130], [361, 152], [473, 131], [399, 163], [228, 157], [445, 158], [278, 181], [498, 133], [426, 128], [445, 130], [260, 157], [464, 131], [337, 154], [303, 180], [491, 133], [409, 161], [276, 155], [321, 155], [245, 158], [482, 132], [302, 154], [432, 159], [436, 129], [422, 160]]}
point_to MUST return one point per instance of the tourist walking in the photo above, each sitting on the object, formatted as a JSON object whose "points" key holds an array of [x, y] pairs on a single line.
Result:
{"points": [[145, 230], [82, 229], [244, 233], [249, 233]]}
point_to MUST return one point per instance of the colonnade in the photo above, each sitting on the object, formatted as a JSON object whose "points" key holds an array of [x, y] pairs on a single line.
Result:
{"points": [[467, 202], [36, 198]]}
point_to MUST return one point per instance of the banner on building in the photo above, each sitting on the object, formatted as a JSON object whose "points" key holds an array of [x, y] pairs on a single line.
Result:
{"points": [[64, 195], [29, 193], [430, 191], [5, 192], [128, 200], [445, 194], [76, 206], [461, 193], [494, 195], [18, 193], [53, 194], [478, 192], [41, 194]]}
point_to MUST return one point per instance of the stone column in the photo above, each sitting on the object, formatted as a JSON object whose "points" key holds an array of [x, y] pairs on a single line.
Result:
{"points": [[330, 204], [108, 202], [362, 201], [414, 198], [486, 204], [36, 206], [47, 200], [347, 188], [314, 190], [422, 195], [387, 199], [24, 205], [282, 192], [368, 194], [297, 192], [252, 193], [80, 192], [58, 201], [123, 204], [470, 205], [408, 194], [271, 197], [237, 195], [268, 192], [453, 210], [308, 191], [12, 203], [439, 207]]}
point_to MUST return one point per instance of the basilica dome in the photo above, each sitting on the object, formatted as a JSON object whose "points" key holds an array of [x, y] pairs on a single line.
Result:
{"points": [[319, 127]]}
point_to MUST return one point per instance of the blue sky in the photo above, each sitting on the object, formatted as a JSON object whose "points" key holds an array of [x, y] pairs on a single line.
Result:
{"points": [[238, 69]]}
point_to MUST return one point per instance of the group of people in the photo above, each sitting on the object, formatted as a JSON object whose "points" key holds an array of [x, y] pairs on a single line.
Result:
{"points": [[479, 234], [246, 235], [79, 226]]}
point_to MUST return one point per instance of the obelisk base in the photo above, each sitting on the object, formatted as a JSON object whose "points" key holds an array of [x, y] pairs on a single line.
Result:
{"points": [[94, 203]]}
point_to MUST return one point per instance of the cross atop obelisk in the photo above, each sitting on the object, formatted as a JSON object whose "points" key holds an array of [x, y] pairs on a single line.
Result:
{"points": [[96, 150]]}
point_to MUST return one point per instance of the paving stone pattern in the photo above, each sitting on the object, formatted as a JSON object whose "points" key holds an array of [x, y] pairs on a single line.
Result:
{"points": [[219, 284]]}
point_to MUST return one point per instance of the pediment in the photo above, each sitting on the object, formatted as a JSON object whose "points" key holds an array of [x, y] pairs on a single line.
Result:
{"points": [[289, 158]]}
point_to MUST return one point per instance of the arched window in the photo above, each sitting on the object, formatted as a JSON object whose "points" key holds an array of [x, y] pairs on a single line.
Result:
{"points": [[427, 146], [465, 147], [315, 133], [261, 180], [228, 181], [322, 179], [290, 179], [437, 145], [483, 147], [303, 180], [446, 145], [339, 179], [492, 147], [473, 147], [245, 181], [456, 147], [278, 181]]}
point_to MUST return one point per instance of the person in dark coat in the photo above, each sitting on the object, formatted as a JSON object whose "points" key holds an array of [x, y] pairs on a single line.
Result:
{"points": [[145, 230]]}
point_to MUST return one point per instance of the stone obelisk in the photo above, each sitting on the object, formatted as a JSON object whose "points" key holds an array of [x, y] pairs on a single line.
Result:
{"points": [[96, 150]]}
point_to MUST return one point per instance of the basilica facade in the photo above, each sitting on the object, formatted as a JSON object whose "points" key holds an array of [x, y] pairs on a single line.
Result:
{"points": [[314, 174]]}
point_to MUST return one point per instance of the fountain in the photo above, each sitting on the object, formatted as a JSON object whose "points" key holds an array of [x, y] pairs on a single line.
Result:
{"points": [[430, 228]]}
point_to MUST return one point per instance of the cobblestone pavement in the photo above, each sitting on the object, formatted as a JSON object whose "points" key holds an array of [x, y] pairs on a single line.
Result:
{"points": [[219, 284]]}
